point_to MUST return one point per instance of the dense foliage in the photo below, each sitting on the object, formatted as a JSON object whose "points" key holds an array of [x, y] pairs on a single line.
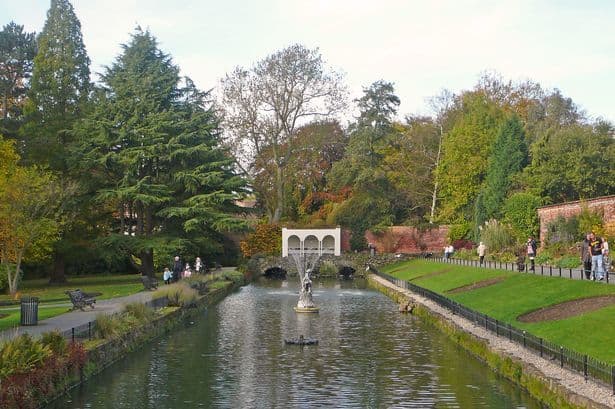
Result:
{"points": [[154, 168]]}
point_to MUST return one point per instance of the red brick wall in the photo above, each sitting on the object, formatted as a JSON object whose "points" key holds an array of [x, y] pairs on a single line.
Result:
{"points": [[403, 239], [604, 205]]}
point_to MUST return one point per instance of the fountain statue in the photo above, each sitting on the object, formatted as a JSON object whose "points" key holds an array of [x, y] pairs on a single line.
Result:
{"points": [[304, 269]]}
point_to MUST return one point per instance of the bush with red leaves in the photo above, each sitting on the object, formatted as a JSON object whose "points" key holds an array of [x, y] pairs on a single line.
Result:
{"points": [[30, 390]]}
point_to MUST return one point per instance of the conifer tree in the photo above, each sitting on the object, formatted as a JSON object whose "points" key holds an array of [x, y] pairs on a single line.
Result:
{"points": [[59, 89], [17, 50], [509, 156], [152, 150]]}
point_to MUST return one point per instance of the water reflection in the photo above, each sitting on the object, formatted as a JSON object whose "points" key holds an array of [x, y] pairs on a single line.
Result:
{"points": [[234, 356]]}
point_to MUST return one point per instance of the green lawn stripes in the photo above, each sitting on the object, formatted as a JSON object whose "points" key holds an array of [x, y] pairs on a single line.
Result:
{"points": [[592, 333]]}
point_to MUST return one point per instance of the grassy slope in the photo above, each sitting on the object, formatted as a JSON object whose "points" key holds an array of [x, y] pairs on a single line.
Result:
{"points": [[592, 333]]}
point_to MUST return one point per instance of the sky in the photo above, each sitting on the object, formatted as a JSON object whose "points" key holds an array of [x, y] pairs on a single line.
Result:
{"points": [[421, 46]]}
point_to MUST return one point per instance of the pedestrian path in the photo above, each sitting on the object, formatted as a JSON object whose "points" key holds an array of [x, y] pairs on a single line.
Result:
{"points": [[65, 322], [73, 319]]}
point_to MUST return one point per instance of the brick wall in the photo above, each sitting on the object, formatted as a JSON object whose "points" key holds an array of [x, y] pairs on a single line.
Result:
{"points": [[404, 239], [604, 205]]}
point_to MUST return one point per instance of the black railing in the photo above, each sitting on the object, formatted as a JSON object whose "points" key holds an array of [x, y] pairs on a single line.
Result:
{"points": [[565, 357], [539, 269], [87, 331]]}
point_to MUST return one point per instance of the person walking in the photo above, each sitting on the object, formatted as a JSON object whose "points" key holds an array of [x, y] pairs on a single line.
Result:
{"points": [[198, 266], [177, 269], [595, 248], [586, 257], [167, 275], [606, 259], [531, 251], [481, 249]]}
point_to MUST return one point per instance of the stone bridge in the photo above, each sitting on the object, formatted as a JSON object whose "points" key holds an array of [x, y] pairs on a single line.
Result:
{"points": [[346, 264]]}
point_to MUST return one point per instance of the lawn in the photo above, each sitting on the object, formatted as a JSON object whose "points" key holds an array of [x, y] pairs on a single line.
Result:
{"points": [[50, 296], [591, 333], [110, 286]]}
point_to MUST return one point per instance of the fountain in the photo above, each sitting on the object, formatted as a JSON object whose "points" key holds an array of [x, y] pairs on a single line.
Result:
{"points": [[304, 268]]}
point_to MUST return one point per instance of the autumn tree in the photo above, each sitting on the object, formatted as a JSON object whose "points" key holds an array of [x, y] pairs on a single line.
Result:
{"points": [[466, 149], [265, 105], [31, 213]]}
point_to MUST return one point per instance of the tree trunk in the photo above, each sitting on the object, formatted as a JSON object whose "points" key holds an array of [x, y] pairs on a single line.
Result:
{"points": [[58, 273], [147, 262], [434, 196], [279, 190]]}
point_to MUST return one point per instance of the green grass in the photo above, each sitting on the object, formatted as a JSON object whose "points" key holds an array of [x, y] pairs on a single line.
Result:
{"points": [[110, 286], [591, 333], [12, 319]]}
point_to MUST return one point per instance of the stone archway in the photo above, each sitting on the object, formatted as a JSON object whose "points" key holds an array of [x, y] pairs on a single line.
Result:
{"points": [[311, 241]]}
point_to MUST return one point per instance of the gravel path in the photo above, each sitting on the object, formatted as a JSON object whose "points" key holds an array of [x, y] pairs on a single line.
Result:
{"points": [[599, 395]]}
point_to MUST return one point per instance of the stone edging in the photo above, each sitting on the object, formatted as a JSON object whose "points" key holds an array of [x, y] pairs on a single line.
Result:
{"points": [[545, 381], [111, 351]]}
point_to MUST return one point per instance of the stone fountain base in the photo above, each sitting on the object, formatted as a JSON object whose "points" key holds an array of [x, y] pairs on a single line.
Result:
{"points": [[306, 309]]}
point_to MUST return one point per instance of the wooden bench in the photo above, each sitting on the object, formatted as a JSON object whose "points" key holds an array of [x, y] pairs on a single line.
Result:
{"points": [[81, 300], [149, 283]]}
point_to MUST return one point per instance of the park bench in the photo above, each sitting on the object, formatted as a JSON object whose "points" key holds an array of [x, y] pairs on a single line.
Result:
{"points": [[81, 300], [149, 283]]}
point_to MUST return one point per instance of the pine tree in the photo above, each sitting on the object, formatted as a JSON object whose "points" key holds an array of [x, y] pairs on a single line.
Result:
{"points": [[509, 157], [60, 87], [17, 50], [153, 152]]}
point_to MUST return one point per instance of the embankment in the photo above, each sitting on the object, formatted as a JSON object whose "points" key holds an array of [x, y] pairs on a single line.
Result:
{"points": [[546, 381]]}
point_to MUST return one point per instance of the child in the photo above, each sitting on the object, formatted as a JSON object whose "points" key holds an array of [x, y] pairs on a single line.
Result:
{"points": [[166, 276], [187, 271]]}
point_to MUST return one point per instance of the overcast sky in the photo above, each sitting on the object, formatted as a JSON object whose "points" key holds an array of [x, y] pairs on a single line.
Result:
{"points": [[421, 46]]}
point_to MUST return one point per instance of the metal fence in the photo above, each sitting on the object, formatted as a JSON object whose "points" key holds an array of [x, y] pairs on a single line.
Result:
{"points": [[565, 357], [550, 271], [87, 331]]}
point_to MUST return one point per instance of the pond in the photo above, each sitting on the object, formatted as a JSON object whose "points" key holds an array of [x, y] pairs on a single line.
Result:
{"points": [[234, 356]]}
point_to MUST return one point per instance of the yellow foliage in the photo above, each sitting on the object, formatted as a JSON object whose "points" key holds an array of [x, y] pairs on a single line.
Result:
{"points": [[265, 239]]}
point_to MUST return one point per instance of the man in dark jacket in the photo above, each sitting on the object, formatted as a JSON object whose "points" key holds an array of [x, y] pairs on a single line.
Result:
{"points": [[586, 257], [177, 268]]}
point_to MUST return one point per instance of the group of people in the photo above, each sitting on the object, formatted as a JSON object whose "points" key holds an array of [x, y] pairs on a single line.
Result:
{"points": [[595, 256], [179, 270]]}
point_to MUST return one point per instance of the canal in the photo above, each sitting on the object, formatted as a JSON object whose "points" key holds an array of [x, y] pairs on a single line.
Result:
{"points": [[234, 356]]}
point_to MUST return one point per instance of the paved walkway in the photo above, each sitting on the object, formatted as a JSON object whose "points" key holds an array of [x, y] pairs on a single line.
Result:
{"points": [[65, 322]]}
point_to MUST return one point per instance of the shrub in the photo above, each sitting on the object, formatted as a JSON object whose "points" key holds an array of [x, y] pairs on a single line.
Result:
{"points": [[327, 269], [140, 311], [21, 354], [463, 244], [520, 213], [55, 341], [265, 239], [234, 276], [178, 294], [589, 221], [466, 254], [544, 257], [568, 262], [459, 231], [496, 236], [107, 326]]}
